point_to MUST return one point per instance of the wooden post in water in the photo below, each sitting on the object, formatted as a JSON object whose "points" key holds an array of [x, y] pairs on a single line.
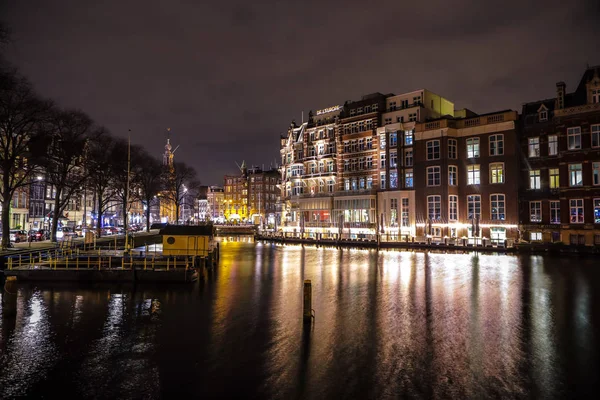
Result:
{"points": [[307, 314], [9, 297]]}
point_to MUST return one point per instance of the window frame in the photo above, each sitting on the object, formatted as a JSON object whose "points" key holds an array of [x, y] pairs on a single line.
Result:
{"points": [[435, 175], [494, 172], [552, 145], [554, 210], [431, 155], [498, 141], [533, 143], [595, 134], [437, 206], [473, 147], [452, 149], [533, 176], [452, 207], [579, 219], [595, 173], [474, 174], [574, 132], [451, 173], [554, 178], [574, 174], [500, 205], [475, 204], [538, 209]]}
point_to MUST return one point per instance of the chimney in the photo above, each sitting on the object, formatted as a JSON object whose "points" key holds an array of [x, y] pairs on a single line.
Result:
{"points": [[560, 95]]}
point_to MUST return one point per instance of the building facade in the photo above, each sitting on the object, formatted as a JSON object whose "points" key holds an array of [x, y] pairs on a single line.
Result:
{"points": [[560, 175], [215, 198], [263, 196], [466, 178]]}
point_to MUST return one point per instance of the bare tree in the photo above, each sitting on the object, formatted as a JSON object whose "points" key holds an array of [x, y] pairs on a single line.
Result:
{"points": [[70, 132], [148, 176], [178, 183], [100, 159], [22, 114], [121, 172]]}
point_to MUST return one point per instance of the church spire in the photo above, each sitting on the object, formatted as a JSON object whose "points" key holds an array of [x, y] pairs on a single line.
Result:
{"points": [[168, 155]]}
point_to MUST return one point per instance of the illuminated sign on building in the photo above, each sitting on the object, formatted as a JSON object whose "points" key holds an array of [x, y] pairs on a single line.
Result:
{"points": [[328, 110]]}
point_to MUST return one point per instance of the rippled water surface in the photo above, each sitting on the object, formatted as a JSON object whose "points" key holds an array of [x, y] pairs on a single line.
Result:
{"points": [[388, 324]]}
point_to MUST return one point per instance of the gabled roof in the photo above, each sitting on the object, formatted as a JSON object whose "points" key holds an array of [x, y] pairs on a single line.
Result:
{"points": [[533, 107]]}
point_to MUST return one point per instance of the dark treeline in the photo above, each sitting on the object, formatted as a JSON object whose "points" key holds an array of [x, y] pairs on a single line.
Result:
{"points": [[38, 138]]}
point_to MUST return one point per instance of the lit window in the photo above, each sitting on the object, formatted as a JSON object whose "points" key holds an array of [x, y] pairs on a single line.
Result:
{"points": [[393, 139], [555, 212], [497, 173], [576, 208], [535, 211], [535, 236], [433, 176], [434, 208], [496, 145], [452, 147], [452, 175], [473, 148], [393, 159], [575, 175], [597, 211], [534, 179], [497, 207], [433, 150], [473, 175], [554, 178], [453, 208], [552, 145], [408, 138], [393, 179], [473, 206], [394, 212], [405, 217], [534, 147], [574, 137], [595, 129], [596, 173], [408, 178], [382, 141]]}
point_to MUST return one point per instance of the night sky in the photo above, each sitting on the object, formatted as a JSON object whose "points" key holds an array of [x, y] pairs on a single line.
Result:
{"points": [[229, 76]]}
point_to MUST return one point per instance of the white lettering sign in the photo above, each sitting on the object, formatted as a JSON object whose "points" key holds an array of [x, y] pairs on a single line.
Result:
{"points": [[328, 110]]}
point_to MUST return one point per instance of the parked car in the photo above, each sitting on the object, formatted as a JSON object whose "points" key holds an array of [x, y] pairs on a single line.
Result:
{"points": [[108, 230], [41, 234], [17, 236], [65, 232]]}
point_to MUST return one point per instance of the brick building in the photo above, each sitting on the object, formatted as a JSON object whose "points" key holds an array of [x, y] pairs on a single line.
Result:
{"points": [[560, 174]]}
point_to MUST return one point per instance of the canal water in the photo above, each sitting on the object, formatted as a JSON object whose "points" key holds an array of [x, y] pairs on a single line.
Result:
{"points": [[388, 324]]}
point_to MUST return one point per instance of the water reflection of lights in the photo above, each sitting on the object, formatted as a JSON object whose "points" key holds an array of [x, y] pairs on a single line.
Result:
{"points": [[31, 352]]}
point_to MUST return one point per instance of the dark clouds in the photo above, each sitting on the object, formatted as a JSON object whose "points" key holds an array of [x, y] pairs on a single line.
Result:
{"points": [[228, 77]]}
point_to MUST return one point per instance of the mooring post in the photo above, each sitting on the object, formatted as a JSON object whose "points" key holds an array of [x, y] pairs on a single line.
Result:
{"points": [[307, 300], [9, 297]]}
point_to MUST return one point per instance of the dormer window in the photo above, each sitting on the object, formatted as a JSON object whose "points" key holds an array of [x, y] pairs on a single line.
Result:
{"points": [[542, 113], [353, 112], [595, 96]]}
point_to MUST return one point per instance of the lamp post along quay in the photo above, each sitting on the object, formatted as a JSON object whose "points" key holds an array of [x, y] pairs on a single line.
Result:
{"points": [[126, 250]]}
